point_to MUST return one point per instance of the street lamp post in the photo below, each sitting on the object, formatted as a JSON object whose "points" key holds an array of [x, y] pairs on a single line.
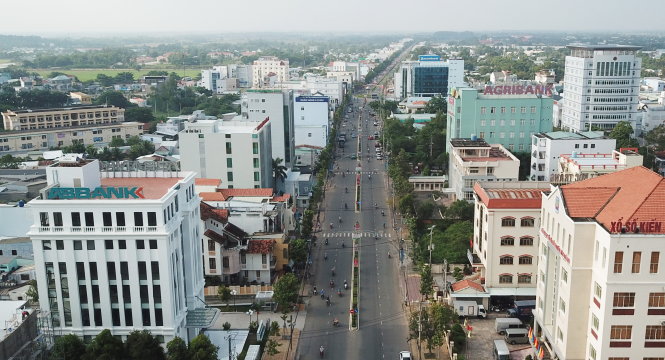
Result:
{"points": [[431, 230], [233, 294]]}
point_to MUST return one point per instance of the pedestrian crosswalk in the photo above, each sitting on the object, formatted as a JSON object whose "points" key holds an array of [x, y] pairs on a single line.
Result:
{"points": [[349, 234]]}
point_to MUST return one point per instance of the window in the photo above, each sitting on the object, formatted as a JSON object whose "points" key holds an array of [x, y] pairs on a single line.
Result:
{"points": [[564, 275], [213, 263], [492, 110], [152, 218], [153, 244], [621, 332], [120, 219], [637, 258], [154, 267], [618, 262], [524, 279], [523, 109], [562, 305], [59, 245], [256, 163], [483, 110], [110, 270], [138, 218], [90, 244], [243, 258], [597, 290], [526, 241], [78, 245], [76, 219], [255, 148], [525, 260], [211, 245], [653, 266], [140, 244], [228, 148], [43, 219], [506, 260], [624, 299], [229, 162], [592, 352], [505, 279], [507, 241], [508, 221], [657, 299], [106, 219], [122, 244], [655, 332], [527, 222], [229, 176], [108, 244], [257, 176], [89, 219], [595, 323]]}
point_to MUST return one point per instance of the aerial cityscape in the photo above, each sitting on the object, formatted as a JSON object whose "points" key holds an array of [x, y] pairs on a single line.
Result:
{"points": [[356, 180]]}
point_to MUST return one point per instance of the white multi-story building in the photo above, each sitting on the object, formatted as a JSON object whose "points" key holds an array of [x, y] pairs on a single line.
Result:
{"points": [[576, 167], [429, 76], [600, 271], [117, 248], [547, 147], [267, 66], [474, 160], [237, 152], [601, 86], [311, 118], [505, 237], [277, 105], [226, 78], [330, 87]]}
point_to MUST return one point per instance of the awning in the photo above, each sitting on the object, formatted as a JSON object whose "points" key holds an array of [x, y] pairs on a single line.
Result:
{"points": [[512, 291], [201, 317]]}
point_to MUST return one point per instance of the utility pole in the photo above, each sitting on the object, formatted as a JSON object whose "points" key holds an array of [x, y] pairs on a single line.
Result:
{"points": [[420, 327], [431, 230], [230, 356]]}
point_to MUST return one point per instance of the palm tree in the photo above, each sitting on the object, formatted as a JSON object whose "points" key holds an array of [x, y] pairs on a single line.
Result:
{"points": [[278, 171]]}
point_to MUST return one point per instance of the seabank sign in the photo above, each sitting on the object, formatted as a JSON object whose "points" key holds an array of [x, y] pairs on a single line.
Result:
{"points": [[96, 193]]}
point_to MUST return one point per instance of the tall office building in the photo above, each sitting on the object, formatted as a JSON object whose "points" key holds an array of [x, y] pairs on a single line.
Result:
{"points": [[601, 86], [119, 249], [428, 77], [277, 105]]}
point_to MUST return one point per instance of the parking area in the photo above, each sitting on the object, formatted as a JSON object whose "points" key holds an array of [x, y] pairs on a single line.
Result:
{"points": [[481, 343]]}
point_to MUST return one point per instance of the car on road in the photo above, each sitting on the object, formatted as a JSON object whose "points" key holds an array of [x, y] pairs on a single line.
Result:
{"points": [[376, 123], [379, 157], [352, 157], [353, 136], [405, 355]]}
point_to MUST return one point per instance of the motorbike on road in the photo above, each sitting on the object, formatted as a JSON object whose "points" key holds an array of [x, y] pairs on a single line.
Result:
{"points": [[321, 350]]}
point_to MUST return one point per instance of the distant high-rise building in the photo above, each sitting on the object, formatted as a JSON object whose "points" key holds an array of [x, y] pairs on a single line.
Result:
{"points": [[267, 66], [429, 76], [601, 86]]}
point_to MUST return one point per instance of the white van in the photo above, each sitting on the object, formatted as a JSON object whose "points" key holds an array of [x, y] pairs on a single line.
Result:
{"points": [[501, 351], [501, 324], [516, 336]]}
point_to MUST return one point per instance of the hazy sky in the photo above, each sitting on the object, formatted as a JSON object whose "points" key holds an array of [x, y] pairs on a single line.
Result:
{"points": [[83, 18]]}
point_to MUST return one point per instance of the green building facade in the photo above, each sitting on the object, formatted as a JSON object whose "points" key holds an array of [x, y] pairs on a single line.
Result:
{"points": [[509, 119]]}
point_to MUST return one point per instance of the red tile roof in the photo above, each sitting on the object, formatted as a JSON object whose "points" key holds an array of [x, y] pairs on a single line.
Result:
{"points": [[465, 284], [210, 212], [262, 192], [260, 246], [153, 187], [207, 182], [212, 196], [632, 195], [281, 198], [509, 198], [211, 234]]}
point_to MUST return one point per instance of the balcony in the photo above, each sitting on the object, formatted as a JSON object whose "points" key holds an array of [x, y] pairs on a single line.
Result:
{"points": [[473, 258], [96, 229]]}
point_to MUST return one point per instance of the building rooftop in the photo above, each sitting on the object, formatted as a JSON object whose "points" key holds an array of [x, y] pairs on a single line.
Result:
{"points": [[82, 107], [495, 154], [261, 192], [153, 187], [564, 135], [207, 182], [617, 200], [465, 284], [459, 142], [511, 195], [604, 47]]}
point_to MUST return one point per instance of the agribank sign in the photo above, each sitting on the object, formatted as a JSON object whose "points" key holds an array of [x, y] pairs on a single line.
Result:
{"points": [[96, 193], [518, 90]]}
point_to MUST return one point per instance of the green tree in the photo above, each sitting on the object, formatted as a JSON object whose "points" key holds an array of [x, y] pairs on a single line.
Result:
{"points": [[176, 349], [286, 289], [458, 335], [115, 98], [426, 281], [105, 346], [623, 133], [298, 251], [116, 142], [307, 223], [424, 209], [452, 243], [278, 172], [141, 345], [104, 80], [200, 348], [271, 347], [32, 292], [656, 137], [68, 347], [224, 294], [124, 77], [139, 114], [437, 104], [460, 210]]}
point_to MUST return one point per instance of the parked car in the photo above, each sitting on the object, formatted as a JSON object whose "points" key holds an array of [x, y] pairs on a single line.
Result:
{"points": [[501, 324]]}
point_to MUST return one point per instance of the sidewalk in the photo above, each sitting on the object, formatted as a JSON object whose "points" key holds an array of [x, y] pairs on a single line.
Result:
{"points": [[240, 320], [283, 346]]}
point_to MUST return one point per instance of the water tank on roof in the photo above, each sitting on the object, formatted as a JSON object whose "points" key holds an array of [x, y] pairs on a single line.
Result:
{"points": [[21, 203], [574, 154], [474, 137]]}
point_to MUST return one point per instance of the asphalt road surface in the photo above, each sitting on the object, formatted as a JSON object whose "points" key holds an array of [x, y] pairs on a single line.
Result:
{"points": [[383, 332]]}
